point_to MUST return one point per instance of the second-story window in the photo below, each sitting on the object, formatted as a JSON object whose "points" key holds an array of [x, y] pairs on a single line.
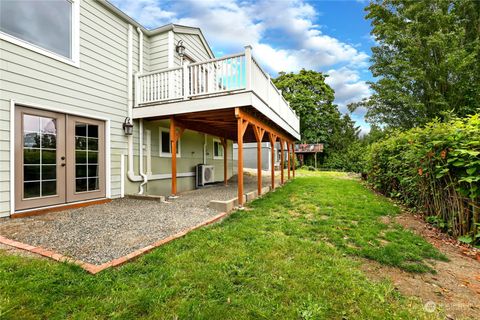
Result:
{"points": [[45, 24]]}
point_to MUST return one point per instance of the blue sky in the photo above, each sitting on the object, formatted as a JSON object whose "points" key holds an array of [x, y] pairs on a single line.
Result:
{"points": [[286, 35]]}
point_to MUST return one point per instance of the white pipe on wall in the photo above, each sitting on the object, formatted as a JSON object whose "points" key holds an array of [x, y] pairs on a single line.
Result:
{"points": [[140, 71], [140, 156], [140, 146], [131, 176], [122, 175], [130, 172], [149, 151]]}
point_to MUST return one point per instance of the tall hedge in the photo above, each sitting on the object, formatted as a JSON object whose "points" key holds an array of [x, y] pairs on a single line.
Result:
{"points": [[435, 169]]}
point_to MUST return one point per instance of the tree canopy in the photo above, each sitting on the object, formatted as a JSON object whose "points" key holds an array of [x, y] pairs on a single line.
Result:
{"points": [[320, 119], [427, 61], [312, 100]]}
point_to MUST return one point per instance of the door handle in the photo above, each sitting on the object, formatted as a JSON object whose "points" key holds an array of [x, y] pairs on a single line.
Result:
{"points": [[63, 158], [63, 164]]}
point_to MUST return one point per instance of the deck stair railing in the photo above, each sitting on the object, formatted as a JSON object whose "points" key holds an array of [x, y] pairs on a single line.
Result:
{"points": [[237, 72]]}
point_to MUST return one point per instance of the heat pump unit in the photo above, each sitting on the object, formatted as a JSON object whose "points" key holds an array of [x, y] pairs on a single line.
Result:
{"points": [[205, 174]]}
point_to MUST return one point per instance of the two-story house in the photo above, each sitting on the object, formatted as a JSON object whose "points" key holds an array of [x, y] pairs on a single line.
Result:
{"points": [[75, 75]]}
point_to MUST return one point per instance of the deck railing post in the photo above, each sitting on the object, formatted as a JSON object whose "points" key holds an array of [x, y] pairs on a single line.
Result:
{"points": [[248, 67], [186, 89]]}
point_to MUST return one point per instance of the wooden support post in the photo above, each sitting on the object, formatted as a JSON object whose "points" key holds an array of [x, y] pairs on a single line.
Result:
{"points": [[288, 159], [173, 149], [241, 128], [225, 160], [259, 133], [273, 140], [259, 167], [282, 160], [174, 136], [294, 157]]}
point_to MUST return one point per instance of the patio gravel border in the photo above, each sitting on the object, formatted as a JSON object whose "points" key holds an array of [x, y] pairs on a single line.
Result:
{"points": [[94, 269]]}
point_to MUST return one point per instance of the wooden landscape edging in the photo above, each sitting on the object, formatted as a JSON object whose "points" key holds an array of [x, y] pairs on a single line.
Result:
{"points": [[67, 206], [94, 269]]}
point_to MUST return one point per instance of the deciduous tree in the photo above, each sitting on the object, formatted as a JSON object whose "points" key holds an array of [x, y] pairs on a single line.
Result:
{"points": [[427, 60]]}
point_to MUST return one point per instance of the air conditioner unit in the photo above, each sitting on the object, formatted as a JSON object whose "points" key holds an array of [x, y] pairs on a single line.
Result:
{"points": [[205, 174]]}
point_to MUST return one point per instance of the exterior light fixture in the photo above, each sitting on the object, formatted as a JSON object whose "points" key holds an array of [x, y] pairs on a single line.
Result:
{"points": [[128, 127], [180, 48]]}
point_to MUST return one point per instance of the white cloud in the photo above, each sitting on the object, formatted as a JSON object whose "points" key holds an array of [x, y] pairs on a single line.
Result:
{"points": [[147, 12], [231, 24], [347, 85]]}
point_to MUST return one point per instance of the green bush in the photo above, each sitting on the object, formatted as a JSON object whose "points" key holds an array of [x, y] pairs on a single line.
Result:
{"points": [[352, 159], [435, 169]]}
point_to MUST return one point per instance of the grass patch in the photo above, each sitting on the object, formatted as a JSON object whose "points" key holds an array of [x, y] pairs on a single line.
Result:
{"points": [[330, 207], [289, 257]]}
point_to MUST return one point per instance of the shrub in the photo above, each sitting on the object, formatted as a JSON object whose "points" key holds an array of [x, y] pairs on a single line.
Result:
{"points": [[352, 159], [435, 169]]}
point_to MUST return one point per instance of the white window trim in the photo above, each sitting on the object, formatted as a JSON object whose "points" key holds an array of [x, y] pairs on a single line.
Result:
{"points": [[167, 154], [213, 149], [75, 60]]}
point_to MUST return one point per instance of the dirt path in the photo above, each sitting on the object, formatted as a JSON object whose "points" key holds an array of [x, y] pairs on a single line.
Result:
{"points": [[456, 285]]}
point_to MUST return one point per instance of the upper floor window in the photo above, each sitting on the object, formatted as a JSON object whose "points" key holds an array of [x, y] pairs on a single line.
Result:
{"points": [[45, 26]]}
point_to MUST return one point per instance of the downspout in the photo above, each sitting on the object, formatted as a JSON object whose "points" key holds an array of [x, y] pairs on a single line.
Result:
{"points": [[140, 146], [140, 71], [130, 174]]}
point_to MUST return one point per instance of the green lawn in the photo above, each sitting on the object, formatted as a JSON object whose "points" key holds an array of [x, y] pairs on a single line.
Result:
{"points": [[290, 256]]}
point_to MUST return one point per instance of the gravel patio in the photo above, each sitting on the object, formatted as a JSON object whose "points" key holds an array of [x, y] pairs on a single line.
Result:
{"points": [[100, 233]]}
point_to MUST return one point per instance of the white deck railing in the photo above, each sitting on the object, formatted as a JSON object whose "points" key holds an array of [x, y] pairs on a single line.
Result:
{"points": [[159, 86], [212, 77]]}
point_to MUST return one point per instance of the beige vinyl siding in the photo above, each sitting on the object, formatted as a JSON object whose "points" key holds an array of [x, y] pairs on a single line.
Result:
{"points": [[194, 47], [159, 52], [157, 57], [97, 89], [4, 154], [146, 54], [191, 154]]}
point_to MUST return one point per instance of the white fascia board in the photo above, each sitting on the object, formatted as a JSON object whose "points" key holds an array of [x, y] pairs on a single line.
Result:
{"points": [[194, 105], [261, 106], [214, 103]]}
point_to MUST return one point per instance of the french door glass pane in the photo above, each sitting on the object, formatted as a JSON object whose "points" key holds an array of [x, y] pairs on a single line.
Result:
{"points": [[49, 188], [39, 156], [31, 156], [31, 189], [86, 157]]}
